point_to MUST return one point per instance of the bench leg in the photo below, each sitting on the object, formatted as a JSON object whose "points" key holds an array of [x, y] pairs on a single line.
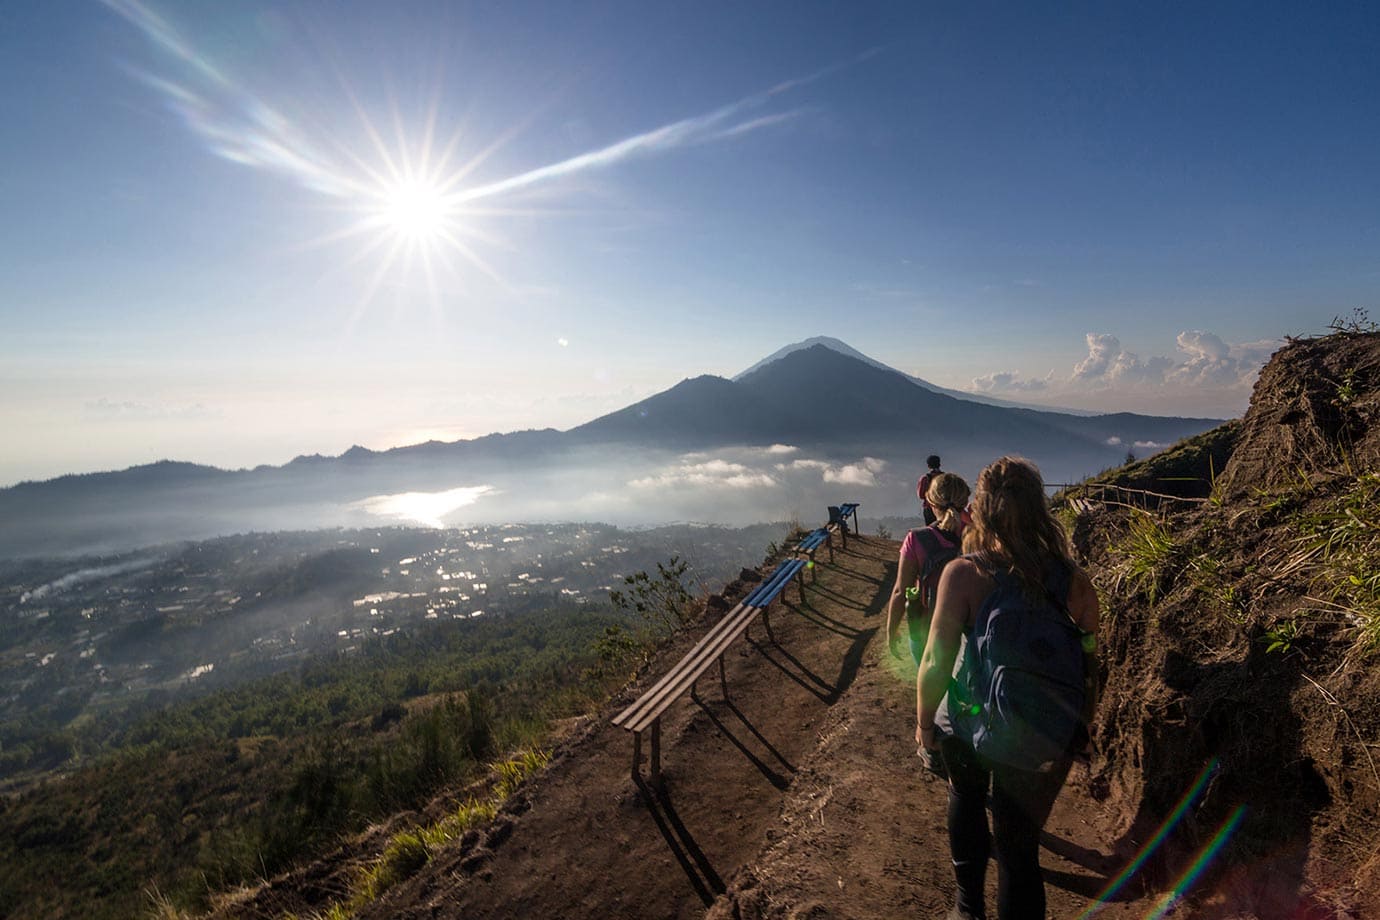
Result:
{"points": [[830, 541], [637, 758], [656, 753], [800, 585]]}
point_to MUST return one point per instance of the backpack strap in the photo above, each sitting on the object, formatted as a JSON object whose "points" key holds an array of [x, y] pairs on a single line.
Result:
{"points": [[940, 548]]}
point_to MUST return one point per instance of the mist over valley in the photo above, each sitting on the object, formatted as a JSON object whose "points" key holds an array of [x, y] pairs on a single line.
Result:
{"points": [[811, 428]]}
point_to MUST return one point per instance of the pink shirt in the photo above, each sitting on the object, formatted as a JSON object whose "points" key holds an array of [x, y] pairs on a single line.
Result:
{"points": [[911, 548]]}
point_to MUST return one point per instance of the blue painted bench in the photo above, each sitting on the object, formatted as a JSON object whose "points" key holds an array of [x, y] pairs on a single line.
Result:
{"points": [[838, 519], [646, 712], [816, 538]]}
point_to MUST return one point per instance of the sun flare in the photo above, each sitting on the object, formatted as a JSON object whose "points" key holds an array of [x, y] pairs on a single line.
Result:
{"points": [[416, 210]]}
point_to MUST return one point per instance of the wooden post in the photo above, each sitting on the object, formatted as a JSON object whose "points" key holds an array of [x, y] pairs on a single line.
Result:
{"points": [[656, 753], [637, 757]]}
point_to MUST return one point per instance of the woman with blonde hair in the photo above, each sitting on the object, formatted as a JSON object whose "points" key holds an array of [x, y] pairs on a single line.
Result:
{"points": [[1017, 566]]}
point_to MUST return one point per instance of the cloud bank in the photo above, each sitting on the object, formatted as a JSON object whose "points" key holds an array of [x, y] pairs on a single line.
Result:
{"points": [[1206, 371], [757, 468]]}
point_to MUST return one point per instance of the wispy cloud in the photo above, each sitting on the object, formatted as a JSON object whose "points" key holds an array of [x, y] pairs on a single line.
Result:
{"points": [[245, 128], [103, 408]]}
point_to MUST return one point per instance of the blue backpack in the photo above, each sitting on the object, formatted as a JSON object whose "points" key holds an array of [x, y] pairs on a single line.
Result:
{"points": [[1018, 697]]}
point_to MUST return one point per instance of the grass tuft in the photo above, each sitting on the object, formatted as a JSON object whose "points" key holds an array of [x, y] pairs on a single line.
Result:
{"points": [[407, 852], [1342, 549], [1147, 549]]}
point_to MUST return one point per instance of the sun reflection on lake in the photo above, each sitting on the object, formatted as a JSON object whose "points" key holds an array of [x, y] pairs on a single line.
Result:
{"points": [[425, 508]]}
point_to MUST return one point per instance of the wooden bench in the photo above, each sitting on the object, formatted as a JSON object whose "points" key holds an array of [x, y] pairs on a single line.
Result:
{"points": [[646, 712], [838, 519]]}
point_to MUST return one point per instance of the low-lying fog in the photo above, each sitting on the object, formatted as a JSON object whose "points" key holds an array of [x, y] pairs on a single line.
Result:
{"points": [[733, 486]]}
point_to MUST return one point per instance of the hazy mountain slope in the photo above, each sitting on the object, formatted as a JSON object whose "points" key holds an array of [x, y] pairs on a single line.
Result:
{"points": [[701, 411]]}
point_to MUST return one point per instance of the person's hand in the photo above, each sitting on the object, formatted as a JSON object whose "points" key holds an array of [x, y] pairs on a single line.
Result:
{"points": [[928, 737], [894, 644]]}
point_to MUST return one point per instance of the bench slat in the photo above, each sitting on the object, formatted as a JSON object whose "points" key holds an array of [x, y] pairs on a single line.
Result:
{"points": [[772, 586], [660, 695], [726, 624], [683, 678]]}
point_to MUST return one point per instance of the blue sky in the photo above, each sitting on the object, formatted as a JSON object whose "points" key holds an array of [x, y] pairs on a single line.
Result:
{"points": [[238, 232]]}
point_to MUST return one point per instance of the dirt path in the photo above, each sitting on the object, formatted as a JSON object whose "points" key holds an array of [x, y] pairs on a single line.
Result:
{"points": [[798, 796]]}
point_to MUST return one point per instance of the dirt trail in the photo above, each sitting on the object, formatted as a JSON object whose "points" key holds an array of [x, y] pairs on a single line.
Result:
{"points": [[798, 796]]}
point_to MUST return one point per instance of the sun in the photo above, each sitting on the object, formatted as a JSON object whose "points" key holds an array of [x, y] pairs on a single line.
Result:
{"points": [[415, 210]]}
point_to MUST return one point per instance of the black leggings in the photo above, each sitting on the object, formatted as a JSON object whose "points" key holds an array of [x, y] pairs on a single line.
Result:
{"points": [[1021, 802]]}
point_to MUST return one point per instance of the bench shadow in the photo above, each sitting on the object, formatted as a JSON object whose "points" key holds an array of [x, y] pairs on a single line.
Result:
{"points": [[698, 870], [1087, 886], [838, 566], [772, 776], [795, 669], [883, 596], [1102, 866], [839, 598], [807, 612]]}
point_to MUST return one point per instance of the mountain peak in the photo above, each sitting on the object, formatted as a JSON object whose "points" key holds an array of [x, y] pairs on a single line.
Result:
{"points": [[828, 342]]}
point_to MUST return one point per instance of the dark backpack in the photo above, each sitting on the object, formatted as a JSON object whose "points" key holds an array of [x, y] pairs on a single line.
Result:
{"points": [[939, 551], [1020, 692]]}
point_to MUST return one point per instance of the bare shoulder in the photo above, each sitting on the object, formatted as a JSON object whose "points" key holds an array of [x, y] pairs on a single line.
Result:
{"points": [[1083, 602], [966, 576]]}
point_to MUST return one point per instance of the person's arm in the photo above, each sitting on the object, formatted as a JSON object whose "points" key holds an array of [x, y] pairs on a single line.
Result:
{"points": [[906, 572], [1086, 612], [959, 585]]}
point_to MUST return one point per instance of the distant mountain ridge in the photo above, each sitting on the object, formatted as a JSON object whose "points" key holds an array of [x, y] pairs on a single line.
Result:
{"points": [[820, 400]]}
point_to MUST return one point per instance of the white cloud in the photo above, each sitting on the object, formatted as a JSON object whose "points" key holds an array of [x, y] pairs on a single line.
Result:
{"points": [[1150, 445], [803, 465], [1113, 441], [1206, 360], [1008, 382], [707, 474], [1102, 350], [862, 473], [744, 468]]}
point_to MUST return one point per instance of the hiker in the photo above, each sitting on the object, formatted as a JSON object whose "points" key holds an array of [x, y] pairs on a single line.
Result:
{"points": [[1017, 568], [924, 553], [922, 488]]}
